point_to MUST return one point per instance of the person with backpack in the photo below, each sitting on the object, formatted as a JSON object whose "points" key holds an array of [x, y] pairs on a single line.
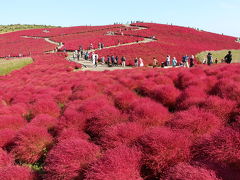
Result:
{"points": [[228, 57]]}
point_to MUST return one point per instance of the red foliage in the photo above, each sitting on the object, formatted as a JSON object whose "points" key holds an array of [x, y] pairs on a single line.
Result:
{"points": [[45, 121], [222, 108], [197, 121], [5, 159], [192, 96], [227, 88], [121, 163], [16, 172], [222, 148], [46, 107], [72, 119], [123, 133], [123, 100], [11, 122], [163, 148], [165, 94], [69, 158], [185, 171], [100, 115], [149, 113], [71, 133], [6, 137], [31, 144]]}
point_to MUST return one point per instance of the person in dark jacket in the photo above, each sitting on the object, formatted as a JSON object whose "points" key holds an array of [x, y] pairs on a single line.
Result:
{"points": [[113, 60], [228, 57], [209, 59]]}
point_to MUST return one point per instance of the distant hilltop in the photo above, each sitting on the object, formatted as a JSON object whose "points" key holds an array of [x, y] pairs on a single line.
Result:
{"points": [[19, 27]]}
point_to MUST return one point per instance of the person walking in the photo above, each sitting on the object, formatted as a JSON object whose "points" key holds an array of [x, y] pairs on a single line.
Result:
{"points": [[209, 59], [136, 62], [123, 59], [228, 57], [155, 62], [93, 58], [174, 62], [102, 45], [78, 55], [109, 61], [96, 59], [185, 61], [113, 60], [116, 61], [141, 64], [103, 60], [192, 61], [168, 60]]}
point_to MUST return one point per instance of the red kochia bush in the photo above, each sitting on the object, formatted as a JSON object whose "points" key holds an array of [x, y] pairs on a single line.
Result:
{"points": [[184, 171], [197, 121], [69, 158], [121, 163], [72, 119], [6, 136], [71, 133], [165, 94], [222, 108], [222, 148], [5, 159], [149, 113], [16, 173], [192, 96], [44, 106], [123, 100], [163, 148], [45, 121], [12, 122], [123, 133], [227, 88], [30, 144], [186, 79], [100, 115]]}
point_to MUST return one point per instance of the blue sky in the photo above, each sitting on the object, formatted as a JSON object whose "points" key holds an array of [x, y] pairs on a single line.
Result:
{"points": [[219, 16]]}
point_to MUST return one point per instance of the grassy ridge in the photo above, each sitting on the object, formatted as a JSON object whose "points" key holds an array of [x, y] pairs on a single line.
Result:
{"points": [[220, 55], [19, 27], [7, 66]]}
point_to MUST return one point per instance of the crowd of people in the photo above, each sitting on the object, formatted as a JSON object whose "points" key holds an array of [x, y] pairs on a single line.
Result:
{"points": [[113, 61], [210, 60], [186, 62]]}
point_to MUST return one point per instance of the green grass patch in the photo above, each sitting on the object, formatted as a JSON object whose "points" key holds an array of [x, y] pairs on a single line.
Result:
{"points": [[7, 66], [19, 27], [220, 55]]}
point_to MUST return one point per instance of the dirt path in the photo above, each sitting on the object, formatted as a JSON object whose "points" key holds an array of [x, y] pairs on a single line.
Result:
{"points": [[88, 65]]}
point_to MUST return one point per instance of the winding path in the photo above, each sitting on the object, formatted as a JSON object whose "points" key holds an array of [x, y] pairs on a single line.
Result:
{"points": [[87, 64]]}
